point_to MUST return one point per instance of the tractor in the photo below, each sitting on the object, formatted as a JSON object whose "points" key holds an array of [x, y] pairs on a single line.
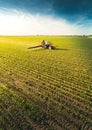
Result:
{"points": [[45, 45]]}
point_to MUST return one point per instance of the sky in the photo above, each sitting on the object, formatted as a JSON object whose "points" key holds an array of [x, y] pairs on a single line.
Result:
{"points": [[45, 17]]}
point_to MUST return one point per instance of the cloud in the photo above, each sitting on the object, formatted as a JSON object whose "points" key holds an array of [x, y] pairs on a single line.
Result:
{"points": [[15, 22], [68, 9]]}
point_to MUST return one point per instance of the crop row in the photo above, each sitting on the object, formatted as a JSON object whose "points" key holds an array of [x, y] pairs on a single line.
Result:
{"points": [[50, 90], [43, 96]]}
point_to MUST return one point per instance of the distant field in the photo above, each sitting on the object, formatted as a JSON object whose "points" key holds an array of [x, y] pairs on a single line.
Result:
{"points": [[46, 89]]}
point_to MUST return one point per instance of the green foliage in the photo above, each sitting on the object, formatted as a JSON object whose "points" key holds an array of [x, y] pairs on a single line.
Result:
{"points": [[45, 89]]}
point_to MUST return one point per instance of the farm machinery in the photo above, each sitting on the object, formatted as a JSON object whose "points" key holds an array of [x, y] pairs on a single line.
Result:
{"points": [[45, 45]]}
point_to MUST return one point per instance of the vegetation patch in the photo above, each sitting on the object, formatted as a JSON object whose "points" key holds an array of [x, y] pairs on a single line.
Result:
{"points": [[41, 89]]}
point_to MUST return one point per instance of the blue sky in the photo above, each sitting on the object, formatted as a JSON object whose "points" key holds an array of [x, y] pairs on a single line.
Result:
{"points": [[45, 17]]}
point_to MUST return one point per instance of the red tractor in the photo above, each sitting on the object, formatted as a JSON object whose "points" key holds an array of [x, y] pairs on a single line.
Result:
{"points": [[45, 45]]}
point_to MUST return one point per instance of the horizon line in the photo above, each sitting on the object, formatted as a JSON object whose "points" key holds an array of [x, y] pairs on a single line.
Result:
{"points": [[46, 35]]}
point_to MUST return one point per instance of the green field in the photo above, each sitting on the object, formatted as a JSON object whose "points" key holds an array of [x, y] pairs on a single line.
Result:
{"points": [[44, 89]]}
